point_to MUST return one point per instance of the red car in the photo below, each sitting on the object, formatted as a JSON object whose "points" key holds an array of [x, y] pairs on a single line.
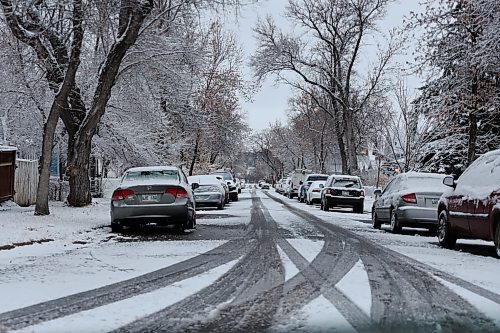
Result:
{"points": [[471, 207]]}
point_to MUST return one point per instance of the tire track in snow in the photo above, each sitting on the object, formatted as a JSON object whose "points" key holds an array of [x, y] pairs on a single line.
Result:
{"points": [[404, 293]]}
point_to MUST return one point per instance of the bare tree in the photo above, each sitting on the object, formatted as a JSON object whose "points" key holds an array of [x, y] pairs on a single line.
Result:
{"points": [[338, 30]]}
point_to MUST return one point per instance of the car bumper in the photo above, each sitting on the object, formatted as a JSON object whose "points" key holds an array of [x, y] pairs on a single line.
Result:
{"points": [[343, 201], [315, 197], [208, 199], [417, 216], [153, 213]]}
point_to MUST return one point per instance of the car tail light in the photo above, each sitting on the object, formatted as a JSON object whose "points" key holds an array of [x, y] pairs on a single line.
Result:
{"points": [[177, 192], [328, 191], [121, 194], [362, 193], [409, 198]]}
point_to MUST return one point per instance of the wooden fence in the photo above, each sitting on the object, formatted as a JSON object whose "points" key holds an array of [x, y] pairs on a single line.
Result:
{"points": [[26, 182]]}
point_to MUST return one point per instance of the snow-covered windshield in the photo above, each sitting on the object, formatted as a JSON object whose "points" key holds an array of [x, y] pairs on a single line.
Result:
{"points": [[151, 175], [346, 182]]}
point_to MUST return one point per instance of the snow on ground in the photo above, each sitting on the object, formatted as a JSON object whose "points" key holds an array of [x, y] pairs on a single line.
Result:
{"points": [[472, 261], [317, 316], [308, 248], [118, 314], [356, 287], [290, 269], [234, 213]]}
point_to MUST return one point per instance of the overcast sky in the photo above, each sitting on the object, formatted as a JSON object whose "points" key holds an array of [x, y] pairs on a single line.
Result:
{"points": [[270, 103]]}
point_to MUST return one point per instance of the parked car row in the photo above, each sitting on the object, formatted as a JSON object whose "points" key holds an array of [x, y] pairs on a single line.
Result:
{"points": [[163, 195], [468, 207], [327, 190], [463, 208]]}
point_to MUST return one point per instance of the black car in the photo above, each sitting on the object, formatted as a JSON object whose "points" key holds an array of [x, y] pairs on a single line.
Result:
{"points": [[343, 191]]}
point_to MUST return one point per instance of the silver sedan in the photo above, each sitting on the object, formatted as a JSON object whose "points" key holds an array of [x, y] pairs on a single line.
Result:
{"points": [[159, 195], [409, 200]]}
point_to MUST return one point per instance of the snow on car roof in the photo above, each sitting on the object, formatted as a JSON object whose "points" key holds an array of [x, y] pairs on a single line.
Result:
{"points": [[153, 168], [345, 177], [415, 174]]}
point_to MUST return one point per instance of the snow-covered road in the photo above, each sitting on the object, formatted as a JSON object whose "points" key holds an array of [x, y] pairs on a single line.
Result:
{"points": [[265, 263]]}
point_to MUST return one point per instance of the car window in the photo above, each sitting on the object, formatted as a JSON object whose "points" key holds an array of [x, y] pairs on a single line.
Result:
{"points": [[346, 182], [151, 175], [484, 172], [388, 187], [423, 183], [315, 178]]}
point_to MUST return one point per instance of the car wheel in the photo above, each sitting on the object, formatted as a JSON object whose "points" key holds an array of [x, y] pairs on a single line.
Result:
{"points": [[395, 227], [376, 224], [497, 240], [220, 206], [358, 208], [191, 222], [433, 230], [445, 236], [116, 227]]}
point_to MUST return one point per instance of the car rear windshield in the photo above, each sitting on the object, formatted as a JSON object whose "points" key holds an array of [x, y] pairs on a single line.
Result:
{"points": [[315, 178], [207, 188], [151, 175], [226, 175], [346, 182], [424, 183]]}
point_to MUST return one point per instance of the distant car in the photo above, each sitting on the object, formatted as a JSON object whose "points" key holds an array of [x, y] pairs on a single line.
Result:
{"points": [[287, 187], [279, 185], [159, 194], [238, 185], [229, 179], [210, 191], [409, 200], [307, 181], [296, 179], [470, 208], [343, 191], [313, 194], [265, 186]]}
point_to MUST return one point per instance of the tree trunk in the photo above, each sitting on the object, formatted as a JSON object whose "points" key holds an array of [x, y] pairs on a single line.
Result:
{"points": [[79, 181], [42, 193], [471, 144], [352, 160], [195, 155]]}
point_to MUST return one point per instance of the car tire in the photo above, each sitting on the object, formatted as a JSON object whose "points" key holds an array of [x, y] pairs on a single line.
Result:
{"points": [[433, 230], [376, 224], [191, 222], [446, 238], [497, 240], [220, 206], [358, 208], [395, 227], [324, 206], [116, 227]]}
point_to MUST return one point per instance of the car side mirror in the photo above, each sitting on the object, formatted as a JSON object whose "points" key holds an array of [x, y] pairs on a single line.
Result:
{"points": [[449, 181], [321, 185], [377, 193], [194, 186]]}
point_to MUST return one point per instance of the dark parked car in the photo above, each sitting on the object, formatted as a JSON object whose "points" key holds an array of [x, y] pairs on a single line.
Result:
{"points": [[159, 195], [343, 191], [471, 206], [409, 200]]}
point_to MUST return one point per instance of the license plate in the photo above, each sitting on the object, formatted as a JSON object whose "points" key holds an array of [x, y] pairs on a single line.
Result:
{"points": [[150, 197], [345, 193], [434, 201]]}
